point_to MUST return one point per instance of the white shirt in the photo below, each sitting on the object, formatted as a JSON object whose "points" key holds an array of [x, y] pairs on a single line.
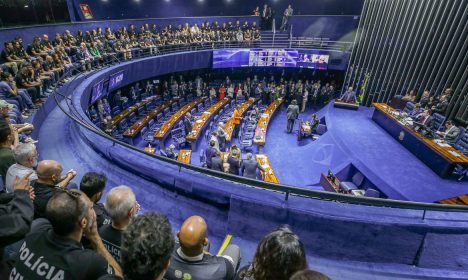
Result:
{"points": [[20, 171]]}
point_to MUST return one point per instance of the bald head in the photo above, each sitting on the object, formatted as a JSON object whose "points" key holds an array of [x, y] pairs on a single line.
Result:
{"points": [[193, 236], [49, 171]]}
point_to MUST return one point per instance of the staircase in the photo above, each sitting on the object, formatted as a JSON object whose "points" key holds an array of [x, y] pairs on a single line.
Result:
{"points": [[280, 39]]}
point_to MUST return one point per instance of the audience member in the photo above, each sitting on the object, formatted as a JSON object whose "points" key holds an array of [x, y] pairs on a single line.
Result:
{"points": [[16, 215], [309, 275], [279, 255], [121, 205], [53, 246], [49, 175], [7, 157], [92, 184], [26, 160], [147, 244], [190, 259]]}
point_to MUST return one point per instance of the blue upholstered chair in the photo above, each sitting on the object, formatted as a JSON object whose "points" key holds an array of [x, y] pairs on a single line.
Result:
{"points": [[355, 183], [321, 129], [438, 121], [167, 112], [202, 158], [462, 143], [132, 118], [408, 107], [141, 111], [143, 132], [372, 193], [245, 143], [178, 136], [115, 110]]}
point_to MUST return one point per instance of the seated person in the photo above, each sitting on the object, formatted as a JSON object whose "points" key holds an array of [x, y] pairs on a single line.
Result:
{"points": [[122, 206], [310, 126], [26, 160], [450, 135], [279, 255], [254, 115], [49, 174], [416, 111], [147, 244], [307, 274], [190, 259], [170, 153], [53, 246], [348, 96]]}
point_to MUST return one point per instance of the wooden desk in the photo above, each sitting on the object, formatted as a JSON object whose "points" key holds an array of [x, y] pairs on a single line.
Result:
{"points": [[346, 105], [269, 175], [262, 126], [164, 130], [135, 128], [125, 113], [185, 156], [459, 200], [328, 185], [197, 127], [229, 129], [150, 150], [440, 159]]}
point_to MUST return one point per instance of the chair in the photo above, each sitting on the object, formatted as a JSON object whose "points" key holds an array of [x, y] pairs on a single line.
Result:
{"points": [[408, 107], [438, 121], [178, 136], [143, 132], [372, 193], [141, 111], [245, 143], [462, 143], [122, 125], [163, 153], [150, 124], [159, 121], [174, 107], [115, 110], [167, 112], [321, 129], [132, 117], [200, 107], [355, 183]]}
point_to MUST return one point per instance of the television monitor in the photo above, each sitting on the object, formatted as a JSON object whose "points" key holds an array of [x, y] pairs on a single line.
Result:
{"points": [[313, 59], [254, 58], [98, 91], [115, 80], [230, 58]]}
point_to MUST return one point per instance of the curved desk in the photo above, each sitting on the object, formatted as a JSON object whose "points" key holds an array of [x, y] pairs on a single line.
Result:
{"points": [[135, 128], [439, 157], [125, 113], [229, 129], [203, 120], [262, 126], [269, 175], [164, 130]]}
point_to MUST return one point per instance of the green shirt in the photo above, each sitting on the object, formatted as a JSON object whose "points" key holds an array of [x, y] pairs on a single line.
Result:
{"points": [[94, 51], [6, 160]]}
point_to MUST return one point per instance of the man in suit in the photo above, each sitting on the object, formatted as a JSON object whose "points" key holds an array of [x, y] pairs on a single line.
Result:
{"points": [[425, 98], [416, 111], [441, 107], [451, 133], [216, 162], [210, 153], [187, 123], [234, 163], [249, 167], [293, 113], [349, 96], [221, 136]]}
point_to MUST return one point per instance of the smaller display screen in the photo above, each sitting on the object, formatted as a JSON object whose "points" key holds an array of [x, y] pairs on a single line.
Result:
{"points": [[98, 91], [115, 80]]}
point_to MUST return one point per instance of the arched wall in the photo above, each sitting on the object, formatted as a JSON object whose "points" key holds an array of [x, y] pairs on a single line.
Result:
{"points": [[339, 231]]}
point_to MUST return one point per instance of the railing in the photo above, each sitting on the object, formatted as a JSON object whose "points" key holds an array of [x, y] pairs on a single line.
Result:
{"points": [[287, 190]]}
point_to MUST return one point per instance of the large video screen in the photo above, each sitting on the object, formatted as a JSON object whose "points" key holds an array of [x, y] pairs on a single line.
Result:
{"points": [[314, 60], [98, 91], [115, 80], [270, 58]]}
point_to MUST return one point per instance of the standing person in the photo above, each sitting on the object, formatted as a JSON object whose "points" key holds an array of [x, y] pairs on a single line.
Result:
{"points": [[293, 113], [264, 17], [287, 13], [221, 136], [222, 92], [237, 121], [304, 99], [249, 167], [187, 123]]}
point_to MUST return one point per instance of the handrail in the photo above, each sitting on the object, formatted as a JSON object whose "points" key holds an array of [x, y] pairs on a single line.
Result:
{"points": [[287, 190]]}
